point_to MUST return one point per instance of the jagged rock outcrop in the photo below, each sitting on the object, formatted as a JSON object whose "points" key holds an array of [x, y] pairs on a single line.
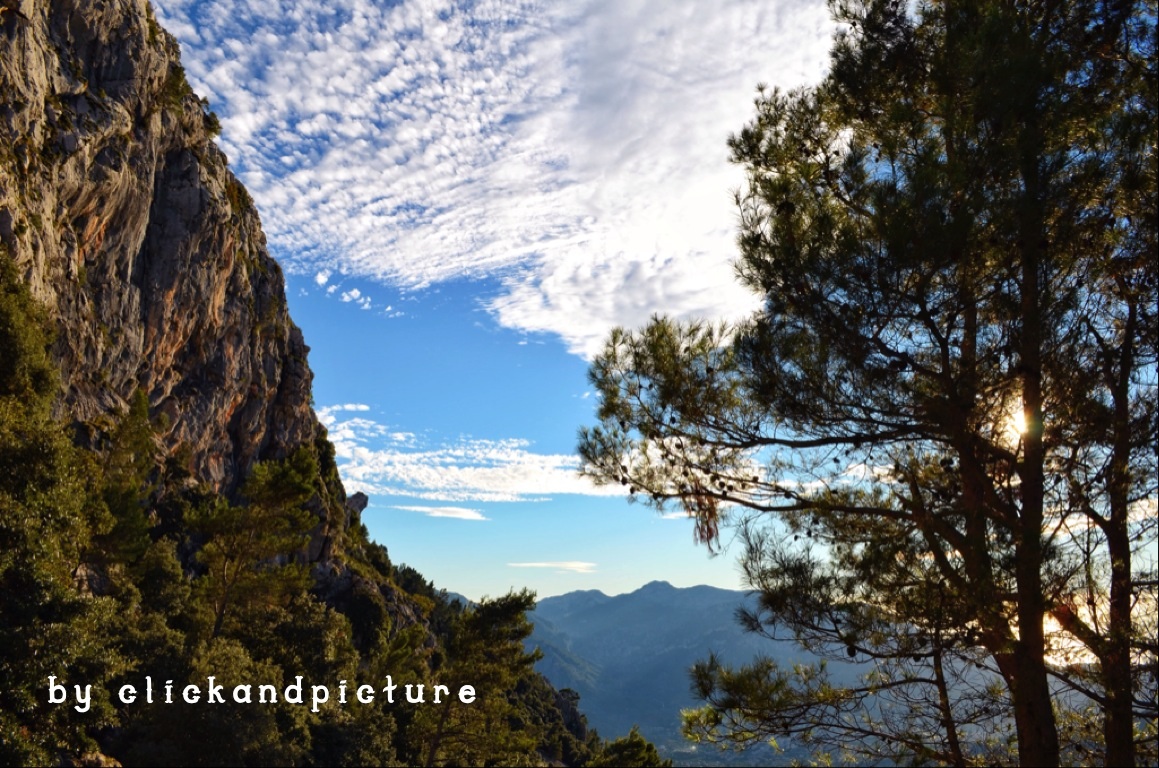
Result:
{"points": [[355, 504], [130, 227], [128, 224]]}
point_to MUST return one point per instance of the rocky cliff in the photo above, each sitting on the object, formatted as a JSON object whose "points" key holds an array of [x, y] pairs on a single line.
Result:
{"points": [[128, 224], [125, 221]]}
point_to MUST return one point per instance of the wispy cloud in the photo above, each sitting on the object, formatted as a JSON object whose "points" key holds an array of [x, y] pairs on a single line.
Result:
{"points": [[458, 513], [678, 515], [573, 149], [381, 461], [564, 566], [327, 415]]}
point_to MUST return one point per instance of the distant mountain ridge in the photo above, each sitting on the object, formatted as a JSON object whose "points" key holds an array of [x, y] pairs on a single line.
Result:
{"points": [[628, 656]]}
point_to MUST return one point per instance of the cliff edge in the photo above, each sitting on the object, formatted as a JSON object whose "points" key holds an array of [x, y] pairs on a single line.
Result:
{"points": [[129, 225]]}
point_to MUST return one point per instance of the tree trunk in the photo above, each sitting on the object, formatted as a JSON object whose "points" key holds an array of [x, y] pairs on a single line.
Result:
{"points": [[1118, 725], [1033, 710]]}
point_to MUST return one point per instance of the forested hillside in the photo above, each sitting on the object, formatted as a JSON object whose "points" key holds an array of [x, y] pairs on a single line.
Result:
{"points": [[182, 578]]}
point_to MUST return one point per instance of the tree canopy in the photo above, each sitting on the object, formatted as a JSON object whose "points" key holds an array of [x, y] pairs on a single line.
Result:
{"points": [[118, 571], [937, 436], [47, 518]]}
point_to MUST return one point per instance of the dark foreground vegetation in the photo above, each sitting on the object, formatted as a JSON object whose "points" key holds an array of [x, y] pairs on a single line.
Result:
{"points": [[117, 569]]}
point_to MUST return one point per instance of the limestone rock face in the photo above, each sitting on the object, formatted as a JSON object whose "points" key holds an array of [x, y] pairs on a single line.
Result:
{"points": [[128, 224], [355, 503]]}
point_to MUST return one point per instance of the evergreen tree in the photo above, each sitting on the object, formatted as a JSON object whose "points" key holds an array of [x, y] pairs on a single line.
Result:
{"points": [[129, 460], [113, 572], [221, 734], [630, 750], [485, 651], [46, 521], [950, 390], [251, 551]]}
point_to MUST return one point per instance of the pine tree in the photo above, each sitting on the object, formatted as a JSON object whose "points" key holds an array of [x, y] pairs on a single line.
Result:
{"points": [[951, 385], [630, 750], [129, 460], [46, 520], [485, 651], [251, 551]]}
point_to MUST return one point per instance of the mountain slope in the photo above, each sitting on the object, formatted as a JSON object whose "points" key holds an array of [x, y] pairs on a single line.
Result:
{"points": [[121, 217], [628, 656], [128, 224]]}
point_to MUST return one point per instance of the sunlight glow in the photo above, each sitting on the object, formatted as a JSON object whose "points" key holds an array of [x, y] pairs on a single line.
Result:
{"points": [[1014, 425]]}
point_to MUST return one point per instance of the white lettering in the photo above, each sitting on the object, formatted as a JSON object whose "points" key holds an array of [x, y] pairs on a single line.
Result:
{"points": [[315, 690], [295, 689], [53, 689]]}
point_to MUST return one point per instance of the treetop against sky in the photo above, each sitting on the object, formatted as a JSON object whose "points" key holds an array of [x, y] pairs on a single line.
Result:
{"points": [[956, 226]]}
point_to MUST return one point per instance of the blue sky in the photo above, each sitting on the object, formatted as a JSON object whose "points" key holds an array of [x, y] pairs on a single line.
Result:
{"points": [[466, 197]]}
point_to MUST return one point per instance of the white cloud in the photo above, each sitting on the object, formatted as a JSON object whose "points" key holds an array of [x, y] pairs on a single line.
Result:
{"points": [[356, 296], [322, 277], [680, 515], [565, 566], [380, 461], [877, 473], [458, 513], [575, 150], [328, 414]]}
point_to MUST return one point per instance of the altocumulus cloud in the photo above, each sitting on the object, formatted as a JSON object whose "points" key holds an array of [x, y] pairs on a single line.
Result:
{"points": [[379, 461], [574, 150]]}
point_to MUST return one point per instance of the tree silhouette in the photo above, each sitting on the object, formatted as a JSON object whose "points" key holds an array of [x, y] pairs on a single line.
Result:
{"points": [[950, 390]]}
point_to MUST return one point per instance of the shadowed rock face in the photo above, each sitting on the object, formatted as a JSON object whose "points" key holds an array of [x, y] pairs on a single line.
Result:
{"points": [[128, 224]]}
